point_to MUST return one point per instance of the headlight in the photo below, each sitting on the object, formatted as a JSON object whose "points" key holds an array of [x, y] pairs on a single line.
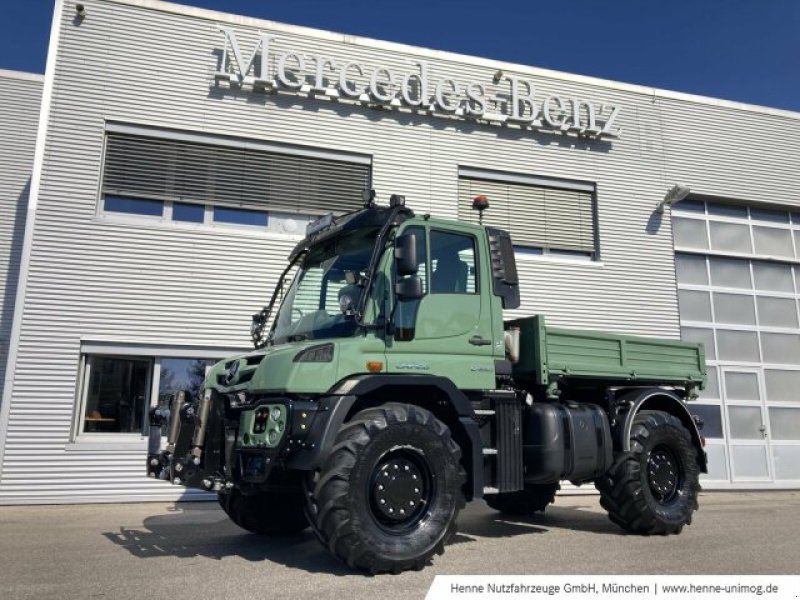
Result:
{"points": [[321, 353]]}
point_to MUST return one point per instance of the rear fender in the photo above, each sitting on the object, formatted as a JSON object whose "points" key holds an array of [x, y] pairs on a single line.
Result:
{"points": [[668, 402]]}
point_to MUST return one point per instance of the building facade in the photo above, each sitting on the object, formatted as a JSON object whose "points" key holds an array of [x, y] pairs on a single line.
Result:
{"points": [[180, 152], [20, 98]]}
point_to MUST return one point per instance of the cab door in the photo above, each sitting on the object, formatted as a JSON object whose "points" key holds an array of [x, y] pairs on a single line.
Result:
{"points": [[448, 332]]}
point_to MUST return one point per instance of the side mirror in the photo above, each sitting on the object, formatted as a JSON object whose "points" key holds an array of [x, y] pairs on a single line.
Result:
{"points": [[409, 288], [405, 255], [348, 296]]}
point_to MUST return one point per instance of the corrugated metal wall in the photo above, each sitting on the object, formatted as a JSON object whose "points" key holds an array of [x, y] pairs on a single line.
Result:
{"points": [[20, 95], [91, 277]]}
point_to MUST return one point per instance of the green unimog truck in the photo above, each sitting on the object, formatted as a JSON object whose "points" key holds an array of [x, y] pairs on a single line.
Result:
{"points": [[386, 389]]}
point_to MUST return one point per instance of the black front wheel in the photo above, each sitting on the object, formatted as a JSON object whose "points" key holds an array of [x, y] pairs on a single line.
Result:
{"points": [[653, 488], [279, 512], [387, 497]]}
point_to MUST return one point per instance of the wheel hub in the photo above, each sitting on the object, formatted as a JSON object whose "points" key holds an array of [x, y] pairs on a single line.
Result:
{"points": [[663, 474], [398, 489]]}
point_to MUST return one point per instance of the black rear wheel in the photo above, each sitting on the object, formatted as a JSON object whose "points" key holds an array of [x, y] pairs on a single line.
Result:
{"points": [[387, 497], [653, 488], [533, 499]]}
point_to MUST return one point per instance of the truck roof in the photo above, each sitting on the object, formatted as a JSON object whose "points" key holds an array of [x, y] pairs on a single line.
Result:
{"points": [[368, 217]]}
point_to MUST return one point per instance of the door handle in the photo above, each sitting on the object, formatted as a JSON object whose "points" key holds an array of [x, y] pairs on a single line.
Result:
{"points": [[477, 340]]}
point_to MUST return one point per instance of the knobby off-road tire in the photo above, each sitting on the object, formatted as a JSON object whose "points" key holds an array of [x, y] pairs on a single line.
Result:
{"points": [[388, 495], [533, 499], [267, 513], [652, 489]]}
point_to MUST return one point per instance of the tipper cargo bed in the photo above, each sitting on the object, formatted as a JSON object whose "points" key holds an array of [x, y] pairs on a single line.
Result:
{"points": [[549, 354]]}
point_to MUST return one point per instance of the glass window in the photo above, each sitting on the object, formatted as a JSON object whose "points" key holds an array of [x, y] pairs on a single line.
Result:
{"points": [[730, 272], [773, 277], [712, 419], [737, 345], [787, 461], [215, 173], [775, 216], [240, 216], [745, 422], [691, 269], [452, 263], [734, 309], [560, 220], [748, 461], [188, 213], [694, 306], [702, 335], [727, 210], [777, 312], [178, 374], [697, 206], [784, 423], [569, 253], [523, 250], [782, 386], [712, 383], [332, 269], [689, 233], [133, 206], [772, 241], [781, 348], [116, 394], [717, 464], [741, 386], [730, 237]]}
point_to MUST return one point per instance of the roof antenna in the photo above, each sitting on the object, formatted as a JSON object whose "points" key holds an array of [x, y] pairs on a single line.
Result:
{"points": [[480, 203]]}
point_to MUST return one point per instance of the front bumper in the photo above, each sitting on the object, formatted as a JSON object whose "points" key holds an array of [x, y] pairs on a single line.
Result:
{"points": [[214, 443]]}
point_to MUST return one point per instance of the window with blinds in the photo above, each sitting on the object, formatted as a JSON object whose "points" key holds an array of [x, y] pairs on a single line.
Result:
{"points": [[173, 170], [539, 215]]}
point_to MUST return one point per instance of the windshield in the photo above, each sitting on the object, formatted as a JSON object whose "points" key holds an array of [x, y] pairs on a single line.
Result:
{"points": [[313, 306]]}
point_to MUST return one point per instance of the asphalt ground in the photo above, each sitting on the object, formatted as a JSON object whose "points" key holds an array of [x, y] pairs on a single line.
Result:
{"points": [[192, 551]]}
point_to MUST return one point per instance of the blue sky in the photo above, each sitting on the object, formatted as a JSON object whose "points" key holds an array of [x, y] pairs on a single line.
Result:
{"points": [[745, 50]]}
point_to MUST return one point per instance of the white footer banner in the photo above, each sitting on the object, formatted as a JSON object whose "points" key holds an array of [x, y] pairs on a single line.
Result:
{"points": [[627, 587]]}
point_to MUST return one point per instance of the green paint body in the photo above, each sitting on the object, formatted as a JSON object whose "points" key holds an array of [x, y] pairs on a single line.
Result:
{"points": [[442, 346]]}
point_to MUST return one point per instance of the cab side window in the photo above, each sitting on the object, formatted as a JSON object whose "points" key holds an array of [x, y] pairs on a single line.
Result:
{"points": [[453, 266]]}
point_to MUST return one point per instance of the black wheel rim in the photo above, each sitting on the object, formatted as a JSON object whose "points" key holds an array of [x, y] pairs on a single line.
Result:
{"points": [[400, 490], [664, 474]]}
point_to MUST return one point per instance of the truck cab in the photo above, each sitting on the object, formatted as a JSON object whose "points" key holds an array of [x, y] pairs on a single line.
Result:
{"points": [[386, 389]]}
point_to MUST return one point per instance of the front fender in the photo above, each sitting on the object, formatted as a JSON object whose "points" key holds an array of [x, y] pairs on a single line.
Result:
{"points": [[335, 409]]}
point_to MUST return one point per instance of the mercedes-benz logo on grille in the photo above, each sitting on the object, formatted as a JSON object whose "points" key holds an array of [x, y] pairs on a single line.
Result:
{"points": [[230, 374]]}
